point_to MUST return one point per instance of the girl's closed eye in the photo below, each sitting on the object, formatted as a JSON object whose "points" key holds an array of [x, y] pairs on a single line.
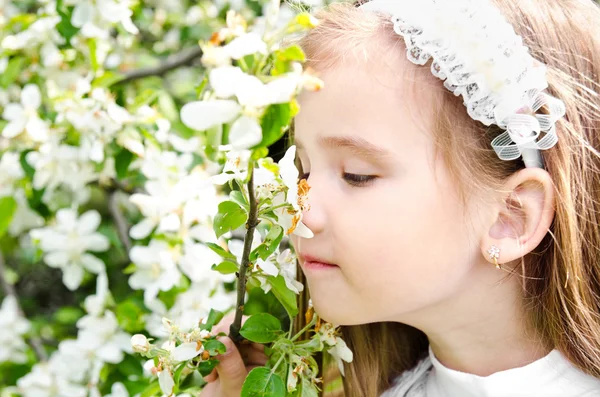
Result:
{"points": [[354, 180]]}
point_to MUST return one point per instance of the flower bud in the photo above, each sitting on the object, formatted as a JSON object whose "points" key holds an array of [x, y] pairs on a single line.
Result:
{"points": [[140, 343]]}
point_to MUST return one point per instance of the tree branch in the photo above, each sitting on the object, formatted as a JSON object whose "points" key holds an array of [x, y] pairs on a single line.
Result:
{"points": [[9, 290], [234, 328], [120, 222], [185, 57]]}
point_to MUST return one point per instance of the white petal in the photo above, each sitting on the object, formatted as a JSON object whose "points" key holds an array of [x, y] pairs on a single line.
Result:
{"points": [[268, 267], [250, 91], [250, 43], [282, 89], [88, 222], [13, 111], [31, 97], [96, 242], [93, 264], [142, 229], [201, 115], [67, 218], [287, 169], [165, 380], [224, 80], [185, 351], [303, 231], [57, 259], [142, 256], [118, 113], [170, 223], [118, 390], [245, 133], [129, 26], [82, 14], [110, 353], [14, 128], [72, 276], [37, 129]]}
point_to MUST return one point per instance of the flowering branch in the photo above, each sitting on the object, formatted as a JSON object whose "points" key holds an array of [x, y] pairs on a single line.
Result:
{"points": [[234, 328], [9, 289], [182, 58]]}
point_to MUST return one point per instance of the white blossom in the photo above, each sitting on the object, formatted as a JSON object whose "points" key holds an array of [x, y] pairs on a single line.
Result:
{"points": [[14, 326], [156, 269], [67, 243], [338, 348], [291, 222], [102, 337], [61, 167], [38, 32], [95, 18], [10, 172], [45, 380], [251, 94], [23, 116]]}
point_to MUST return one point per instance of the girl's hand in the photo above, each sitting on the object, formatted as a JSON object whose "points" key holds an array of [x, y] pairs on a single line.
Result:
{"points": [[227, 378]]}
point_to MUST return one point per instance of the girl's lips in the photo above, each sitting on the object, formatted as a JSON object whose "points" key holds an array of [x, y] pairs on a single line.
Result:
{"points": [[319, 266], [315, 263]]}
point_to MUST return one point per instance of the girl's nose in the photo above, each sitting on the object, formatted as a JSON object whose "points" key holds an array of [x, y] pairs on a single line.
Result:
{"points": [[315, 216]]}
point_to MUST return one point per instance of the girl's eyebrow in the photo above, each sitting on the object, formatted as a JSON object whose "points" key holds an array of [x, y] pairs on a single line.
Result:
{"points": [[357, 145]]}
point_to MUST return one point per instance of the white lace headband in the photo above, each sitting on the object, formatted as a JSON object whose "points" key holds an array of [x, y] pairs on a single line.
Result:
{"points": [[479, 56]]}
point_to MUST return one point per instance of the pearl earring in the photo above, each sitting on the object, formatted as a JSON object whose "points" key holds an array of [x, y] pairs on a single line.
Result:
{"points": [[495, 254]]}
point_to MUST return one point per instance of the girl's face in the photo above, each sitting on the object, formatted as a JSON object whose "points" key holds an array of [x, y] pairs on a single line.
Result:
{"points": [[382, 208]]}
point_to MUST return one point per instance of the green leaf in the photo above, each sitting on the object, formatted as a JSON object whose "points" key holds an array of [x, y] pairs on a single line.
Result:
{"points": [[15, 66], [8, 206], [145, 97], [206, 367], [267, 247], [122, 162], [94, 59], [308, 389], [221, 251], [64, 27], [259, 153], [275, 122], [284, 295], [152, 390], [107, 79], [225, 267], [261, 328], [177, 373], [238, 197], [230, 217], [167, 105], [214, 347], [292, 53], [68, 315], [130, 316], [213, 318], [261, 382]]}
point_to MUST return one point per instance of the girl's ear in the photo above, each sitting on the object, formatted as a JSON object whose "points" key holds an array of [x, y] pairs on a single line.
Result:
{"points": [[522, 217]]}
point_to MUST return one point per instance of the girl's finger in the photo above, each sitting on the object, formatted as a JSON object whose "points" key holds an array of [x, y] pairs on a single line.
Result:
{"points": [[211, 377], [253, 357]]}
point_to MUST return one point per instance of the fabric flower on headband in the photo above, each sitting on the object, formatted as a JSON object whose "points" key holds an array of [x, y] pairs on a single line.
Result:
{"points": [[478, 55]]}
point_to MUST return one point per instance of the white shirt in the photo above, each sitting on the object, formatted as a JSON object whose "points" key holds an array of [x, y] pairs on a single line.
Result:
{"points": [[550, 376]]}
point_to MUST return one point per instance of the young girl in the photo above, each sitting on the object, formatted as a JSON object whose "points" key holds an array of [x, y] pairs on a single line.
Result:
{"points": [[456, 237]]}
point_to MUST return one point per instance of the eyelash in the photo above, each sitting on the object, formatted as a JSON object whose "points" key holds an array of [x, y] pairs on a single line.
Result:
{"points": [[354, 180]]}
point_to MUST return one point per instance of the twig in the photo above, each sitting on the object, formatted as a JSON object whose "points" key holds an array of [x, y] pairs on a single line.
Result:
{"points": [[234, 328], [9, 289], [182, 58], [120, 222]]}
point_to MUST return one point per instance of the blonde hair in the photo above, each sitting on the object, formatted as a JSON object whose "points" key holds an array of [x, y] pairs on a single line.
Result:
{"points": [[561, 278]]}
